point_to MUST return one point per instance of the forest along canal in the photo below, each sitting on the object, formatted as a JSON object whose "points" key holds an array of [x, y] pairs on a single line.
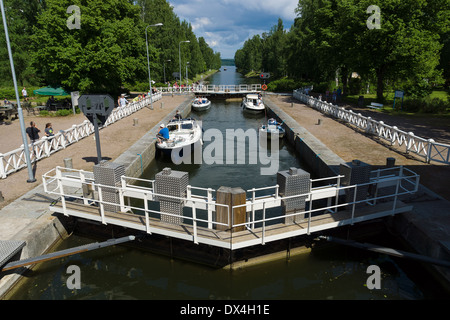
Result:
{"points": [[327, 273]]}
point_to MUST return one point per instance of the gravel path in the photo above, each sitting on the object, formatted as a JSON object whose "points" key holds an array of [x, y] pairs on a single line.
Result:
{"points": [[115, 139]]}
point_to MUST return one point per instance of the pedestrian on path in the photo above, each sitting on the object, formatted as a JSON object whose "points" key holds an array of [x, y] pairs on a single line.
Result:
{"points": [[33, 132]]}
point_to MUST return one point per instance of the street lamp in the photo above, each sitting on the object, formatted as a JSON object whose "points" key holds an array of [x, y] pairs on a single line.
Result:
{"points": [[31, 177], [165, 69], [148, 62], [187, 77], [179, 54]]}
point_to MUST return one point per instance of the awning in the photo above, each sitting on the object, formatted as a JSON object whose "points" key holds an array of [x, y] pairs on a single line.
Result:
{"points": [[51, 91]]}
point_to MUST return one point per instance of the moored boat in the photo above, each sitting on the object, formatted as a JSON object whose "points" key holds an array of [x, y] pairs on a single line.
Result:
{"points": [[272, 128], [201, 104], [253, 103], [182, 133]]}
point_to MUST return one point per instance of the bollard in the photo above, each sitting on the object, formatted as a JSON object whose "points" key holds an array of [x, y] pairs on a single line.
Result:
{"points": [[390, 162], [319, 122], [162, 105], [135, 122], [1, 197], [231, 197], [292, 104], [68, 163]]}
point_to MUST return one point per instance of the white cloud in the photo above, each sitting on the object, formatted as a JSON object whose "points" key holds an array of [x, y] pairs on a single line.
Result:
{"points": [[227, 24]]}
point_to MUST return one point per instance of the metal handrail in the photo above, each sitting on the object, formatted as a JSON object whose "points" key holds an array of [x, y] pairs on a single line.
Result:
{"points": [[428, 149], [252, 205]]}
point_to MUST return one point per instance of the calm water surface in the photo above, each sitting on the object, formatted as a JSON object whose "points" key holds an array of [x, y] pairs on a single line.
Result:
{"points": [[124, 273]]}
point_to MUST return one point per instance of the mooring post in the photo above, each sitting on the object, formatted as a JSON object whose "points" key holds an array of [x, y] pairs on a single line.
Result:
{"points": [[230, 197]]}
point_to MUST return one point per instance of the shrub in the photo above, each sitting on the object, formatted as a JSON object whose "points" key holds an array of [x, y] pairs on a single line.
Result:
{"points": [[435, 106], [63, 113], [283, 85], [44, 113]]}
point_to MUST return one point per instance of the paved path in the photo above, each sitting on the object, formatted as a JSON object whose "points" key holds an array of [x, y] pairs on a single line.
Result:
{"points": [[115, 139], [350, 144]]}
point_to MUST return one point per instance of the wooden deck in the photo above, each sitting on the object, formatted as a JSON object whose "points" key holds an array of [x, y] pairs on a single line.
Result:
{"points": [[235, 240]]}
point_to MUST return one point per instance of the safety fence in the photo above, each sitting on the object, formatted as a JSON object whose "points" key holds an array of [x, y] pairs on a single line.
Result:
{"points": [[427, 149], [212, 89], [15, 160], [330, 203]]}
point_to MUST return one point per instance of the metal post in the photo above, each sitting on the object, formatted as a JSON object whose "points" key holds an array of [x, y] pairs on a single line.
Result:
{"points": [[97, 139], [31, 178]]}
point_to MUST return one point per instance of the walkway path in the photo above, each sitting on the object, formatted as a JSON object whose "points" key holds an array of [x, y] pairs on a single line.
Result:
{"points": [[350, 144], [115, 139]]}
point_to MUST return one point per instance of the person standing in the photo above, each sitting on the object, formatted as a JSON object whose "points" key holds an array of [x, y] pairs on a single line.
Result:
{"points": [[33, 132], [25, 94], [49, 130]]}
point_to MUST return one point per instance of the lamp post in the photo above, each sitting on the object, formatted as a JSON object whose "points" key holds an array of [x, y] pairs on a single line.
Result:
{"points": [[148, 62], [187, 77], [165, 70], [31, 177], [179, 54]]}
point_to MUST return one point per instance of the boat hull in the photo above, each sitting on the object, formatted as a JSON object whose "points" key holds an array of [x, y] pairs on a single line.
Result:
{"points": [[253, 109]]}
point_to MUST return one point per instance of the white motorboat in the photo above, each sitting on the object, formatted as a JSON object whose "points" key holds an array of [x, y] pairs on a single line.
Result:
{"points": [[201, 104], [182, 133], [253, 103], [272, 128]]}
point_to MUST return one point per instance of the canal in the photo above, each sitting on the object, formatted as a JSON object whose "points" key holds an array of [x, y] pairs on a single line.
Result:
{"points": [[327, 273]]}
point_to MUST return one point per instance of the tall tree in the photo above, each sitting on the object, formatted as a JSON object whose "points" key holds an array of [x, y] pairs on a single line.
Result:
{"points": [[21, 16], [106, 51]]}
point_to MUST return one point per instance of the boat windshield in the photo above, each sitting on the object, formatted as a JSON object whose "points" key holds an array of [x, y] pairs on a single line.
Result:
{"points": [[187, 126]]}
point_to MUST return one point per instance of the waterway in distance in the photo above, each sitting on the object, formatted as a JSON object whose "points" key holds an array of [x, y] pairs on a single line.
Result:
{"points": [[126, 273]]}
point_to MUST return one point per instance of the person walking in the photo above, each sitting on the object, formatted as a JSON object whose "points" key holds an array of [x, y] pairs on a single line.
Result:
{"points": [[25, 94], [33, 134]]}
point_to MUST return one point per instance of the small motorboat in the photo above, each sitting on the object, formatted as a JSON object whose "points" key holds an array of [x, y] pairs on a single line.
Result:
{"points": [[253, 103], [272, 128], [182, 133], [201, 104]]}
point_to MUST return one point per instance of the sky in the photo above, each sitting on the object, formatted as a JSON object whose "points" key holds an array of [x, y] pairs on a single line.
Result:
{"points": [[227, 24]]}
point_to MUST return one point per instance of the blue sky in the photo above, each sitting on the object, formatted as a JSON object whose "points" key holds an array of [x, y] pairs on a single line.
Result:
{"points": [[227, 24]]}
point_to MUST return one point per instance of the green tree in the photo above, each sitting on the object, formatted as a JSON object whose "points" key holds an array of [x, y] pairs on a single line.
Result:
{"points": [[21, 16], [107, 51]]}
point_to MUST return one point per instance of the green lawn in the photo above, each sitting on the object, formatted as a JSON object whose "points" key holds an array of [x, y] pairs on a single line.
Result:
{"points": [[389, 103]]}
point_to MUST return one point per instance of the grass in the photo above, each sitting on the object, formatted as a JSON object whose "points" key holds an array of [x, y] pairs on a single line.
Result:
{"points": [[389, 103]]}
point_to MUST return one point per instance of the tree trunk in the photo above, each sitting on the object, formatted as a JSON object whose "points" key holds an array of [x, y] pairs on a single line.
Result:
{"points": [[380, 83]]}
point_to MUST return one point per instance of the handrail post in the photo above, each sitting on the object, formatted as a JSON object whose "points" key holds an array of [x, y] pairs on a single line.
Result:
{"points": [[253, 208], [147, 219], [209, 207], [354, 203], [61, 190], [194, 222], [263, 242], [102, 208]]}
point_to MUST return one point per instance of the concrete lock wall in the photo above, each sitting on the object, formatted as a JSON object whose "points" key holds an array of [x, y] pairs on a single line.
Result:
{"points": [[317, 156], [142, 153]]}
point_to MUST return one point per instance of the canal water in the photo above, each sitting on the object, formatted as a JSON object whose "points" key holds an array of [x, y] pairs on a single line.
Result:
{"points": [[329, 273]]}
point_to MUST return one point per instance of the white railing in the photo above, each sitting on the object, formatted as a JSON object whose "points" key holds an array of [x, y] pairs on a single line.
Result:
{"points": [[14, 161], [427, 149], [384, 186], [212, 89]]}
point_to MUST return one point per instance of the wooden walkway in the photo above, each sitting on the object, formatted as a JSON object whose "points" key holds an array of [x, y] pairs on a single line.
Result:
{"points": [[233, 240]]}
